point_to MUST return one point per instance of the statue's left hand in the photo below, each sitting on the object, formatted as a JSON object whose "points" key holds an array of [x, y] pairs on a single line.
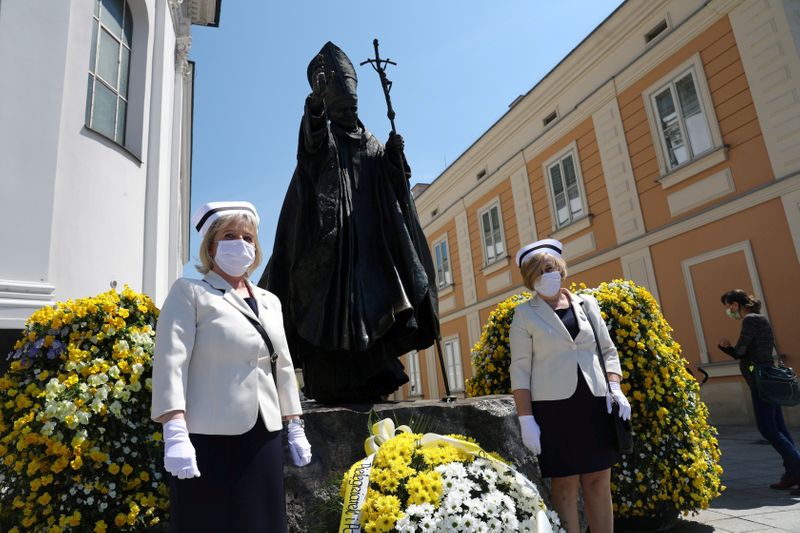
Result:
{"points": [[394, 147]]}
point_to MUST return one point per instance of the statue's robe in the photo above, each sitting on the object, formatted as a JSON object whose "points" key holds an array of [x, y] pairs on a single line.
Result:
{"points": [[351, 266]]}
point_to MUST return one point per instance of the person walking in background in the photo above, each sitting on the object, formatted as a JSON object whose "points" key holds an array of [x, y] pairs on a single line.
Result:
{"points": [[559, 388], [754, 348], [222, 381]]}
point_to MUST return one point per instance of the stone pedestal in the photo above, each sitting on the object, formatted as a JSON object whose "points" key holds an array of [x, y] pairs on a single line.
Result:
{"points": [[337, 437]]}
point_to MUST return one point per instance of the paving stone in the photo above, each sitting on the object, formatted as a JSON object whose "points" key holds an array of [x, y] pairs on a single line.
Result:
{"points": [[748, 505]]}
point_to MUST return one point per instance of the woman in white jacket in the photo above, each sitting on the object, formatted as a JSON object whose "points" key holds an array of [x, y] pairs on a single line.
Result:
{"points": [[223, 381], [559, 389]]}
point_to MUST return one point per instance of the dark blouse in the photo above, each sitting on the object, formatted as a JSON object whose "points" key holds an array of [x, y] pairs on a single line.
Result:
{"points": [[567, 317], [754, 345], [252, 303]]}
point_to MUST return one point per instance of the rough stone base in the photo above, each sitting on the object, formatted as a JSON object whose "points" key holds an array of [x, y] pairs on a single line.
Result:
{"points": [[337, 437]]}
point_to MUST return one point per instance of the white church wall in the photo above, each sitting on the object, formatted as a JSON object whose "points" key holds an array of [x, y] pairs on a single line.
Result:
{"points": [[156, 218], [77, 210], [100, 185], [33, 40], [31, 34]]}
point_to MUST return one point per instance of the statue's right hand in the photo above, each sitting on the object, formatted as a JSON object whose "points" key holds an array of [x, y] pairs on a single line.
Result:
{"points": [[318, 82]]}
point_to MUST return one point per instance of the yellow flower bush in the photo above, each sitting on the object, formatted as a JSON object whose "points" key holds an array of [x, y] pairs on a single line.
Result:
{"points": [[675, 463], [491, 355], [78, 449]]}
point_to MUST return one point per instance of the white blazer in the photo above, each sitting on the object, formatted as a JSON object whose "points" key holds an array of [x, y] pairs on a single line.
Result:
{"points": [[545, 358], [212, 363]]}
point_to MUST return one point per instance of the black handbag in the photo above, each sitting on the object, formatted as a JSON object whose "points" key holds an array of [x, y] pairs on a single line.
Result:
{"points": [[621, 429], [777, 384]]}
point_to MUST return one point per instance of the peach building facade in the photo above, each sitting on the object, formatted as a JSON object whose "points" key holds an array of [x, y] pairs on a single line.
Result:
{"points": [[665, 148]]}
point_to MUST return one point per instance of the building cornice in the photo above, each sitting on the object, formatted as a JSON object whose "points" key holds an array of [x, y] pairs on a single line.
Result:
{"points": [[520, 128], [205, 12]]}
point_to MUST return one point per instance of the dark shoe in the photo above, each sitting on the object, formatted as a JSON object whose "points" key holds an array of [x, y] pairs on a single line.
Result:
{"points": [[795, 492], [786, 483]]}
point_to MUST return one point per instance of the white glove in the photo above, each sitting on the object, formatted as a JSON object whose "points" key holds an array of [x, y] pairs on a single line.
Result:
{"points": [[531, 434], [179, 455], [298, 444], [615, 395]]}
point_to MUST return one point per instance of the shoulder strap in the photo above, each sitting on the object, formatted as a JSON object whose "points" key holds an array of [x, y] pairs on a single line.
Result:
{"points": [[273, 356], [596, 338]]}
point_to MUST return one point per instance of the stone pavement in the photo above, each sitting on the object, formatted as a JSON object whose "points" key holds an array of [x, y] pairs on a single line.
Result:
{"points": [[748, 504]]}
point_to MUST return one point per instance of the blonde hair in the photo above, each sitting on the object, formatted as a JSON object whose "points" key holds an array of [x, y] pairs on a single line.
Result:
{"points": [[207, 262], [531, 268]]}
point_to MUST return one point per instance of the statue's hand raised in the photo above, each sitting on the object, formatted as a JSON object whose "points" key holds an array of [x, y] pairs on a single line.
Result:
{"points": [[318, 82]]}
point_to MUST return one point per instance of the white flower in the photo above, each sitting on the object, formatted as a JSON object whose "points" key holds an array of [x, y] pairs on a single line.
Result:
{"points": [[415, 510], [469, 521], [453, 500], [405, 525], [453, 470], [509, 520], [452, 522], [477, 506], [116, 409], [96, 405], [427, 524], [82, 417], [493, 524]]}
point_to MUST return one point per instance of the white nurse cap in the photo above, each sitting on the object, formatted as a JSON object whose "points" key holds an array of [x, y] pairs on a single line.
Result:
{"points": [[546, 246], [208, 213]]}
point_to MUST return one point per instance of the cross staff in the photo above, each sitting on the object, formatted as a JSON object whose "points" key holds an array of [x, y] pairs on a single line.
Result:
{"points": [[380, 67]]}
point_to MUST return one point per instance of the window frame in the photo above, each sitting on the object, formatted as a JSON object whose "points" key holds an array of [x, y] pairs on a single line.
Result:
{"points": [[444, 240], [494, 203], [570, 150], [456, 385], [95, 77], [414, 374], [694, 65]]}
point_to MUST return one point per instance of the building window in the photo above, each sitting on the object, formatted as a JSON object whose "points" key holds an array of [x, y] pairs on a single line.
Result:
{"points": [[414, 382], [682, 124], [493, 246], [566, 190], [109, 65], [452, 362], [441, 255]]}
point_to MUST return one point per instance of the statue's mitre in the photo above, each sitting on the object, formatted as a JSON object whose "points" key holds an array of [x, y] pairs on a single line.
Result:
{"points": [[340, 74]]}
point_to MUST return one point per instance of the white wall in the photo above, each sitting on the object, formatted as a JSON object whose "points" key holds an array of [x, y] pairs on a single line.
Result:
{"points": [[33, 40], [78, 211], [31, 85], [100, 187], [156, 223]]}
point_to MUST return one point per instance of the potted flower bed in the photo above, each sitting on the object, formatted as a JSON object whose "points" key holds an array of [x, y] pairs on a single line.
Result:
{"points": [[79, 451]]}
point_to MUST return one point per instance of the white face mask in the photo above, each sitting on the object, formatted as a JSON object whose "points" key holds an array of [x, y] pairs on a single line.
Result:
{"points": [[234, 257], [548, 284]]}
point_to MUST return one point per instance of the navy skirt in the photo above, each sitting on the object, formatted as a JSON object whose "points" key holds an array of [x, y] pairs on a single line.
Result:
{"points": [[240, 487], [577, 436]]}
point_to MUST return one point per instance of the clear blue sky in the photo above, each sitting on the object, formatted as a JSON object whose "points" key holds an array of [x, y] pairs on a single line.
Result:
{"points": [[460, 63]]}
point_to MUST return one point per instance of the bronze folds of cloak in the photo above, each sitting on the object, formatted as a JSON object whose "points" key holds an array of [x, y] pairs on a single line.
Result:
{"points": [[350, 262]]}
